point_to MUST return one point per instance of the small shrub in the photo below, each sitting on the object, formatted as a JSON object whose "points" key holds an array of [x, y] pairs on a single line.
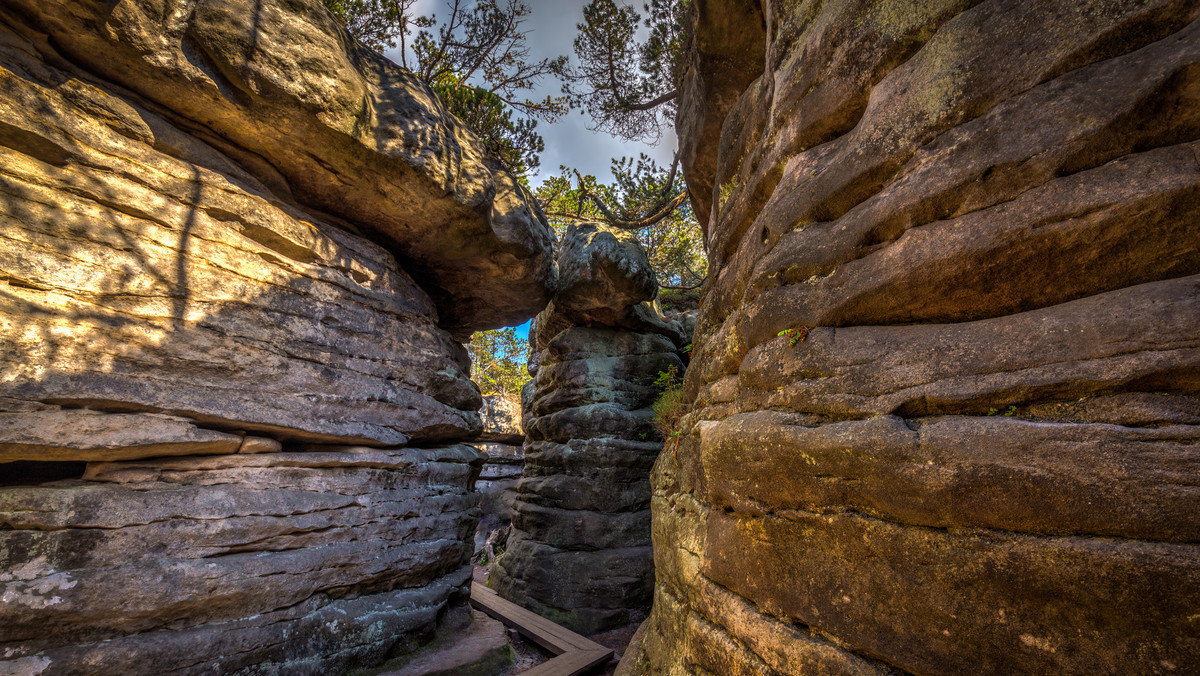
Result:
{"points": [[670, 405], [667, 380], [796, 335], [668, 411]]}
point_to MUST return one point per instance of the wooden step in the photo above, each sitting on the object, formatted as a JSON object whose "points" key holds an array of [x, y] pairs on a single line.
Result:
{"points": [[574, 654]]}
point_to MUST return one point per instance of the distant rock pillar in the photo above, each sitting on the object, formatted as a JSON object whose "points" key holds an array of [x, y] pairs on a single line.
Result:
{"points": [[579, 552], [501, 442]]}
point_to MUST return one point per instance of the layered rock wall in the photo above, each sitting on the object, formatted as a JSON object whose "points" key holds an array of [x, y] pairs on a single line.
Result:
{"points": [[579, 552], [502, 442], [213, 365], [945, 409], [283, 90], [299, 562]]}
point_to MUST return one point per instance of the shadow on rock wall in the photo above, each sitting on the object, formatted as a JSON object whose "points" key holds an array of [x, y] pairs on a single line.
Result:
{"points": [[158, 299]]}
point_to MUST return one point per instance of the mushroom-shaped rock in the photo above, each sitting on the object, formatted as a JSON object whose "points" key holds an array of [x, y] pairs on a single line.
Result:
{"points": [[603, 271], [580, 544]]}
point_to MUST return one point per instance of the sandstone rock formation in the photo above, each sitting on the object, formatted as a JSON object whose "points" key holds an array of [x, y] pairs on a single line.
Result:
{"points": [[282, 90], [212, 358], [290, 562], [579, 552], [501, 441], [502, 423], [944, 400]]}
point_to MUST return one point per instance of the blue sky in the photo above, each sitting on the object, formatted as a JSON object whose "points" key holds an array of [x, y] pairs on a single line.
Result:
{"points": [[523, 330]]}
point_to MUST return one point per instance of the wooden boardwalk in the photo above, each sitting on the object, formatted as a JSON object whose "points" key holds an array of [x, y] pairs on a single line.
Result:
{"points": [[574, 654]]}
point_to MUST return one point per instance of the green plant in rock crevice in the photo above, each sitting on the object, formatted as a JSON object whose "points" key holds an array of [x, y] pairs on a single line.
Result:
{"points": [[670, 406], [796, 335], [669, 379]]}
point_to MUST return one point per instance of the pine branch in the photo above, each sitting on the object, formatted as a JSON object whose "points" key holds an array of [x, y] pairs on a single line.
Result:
{"points": [[652, 103], [657, 214]]}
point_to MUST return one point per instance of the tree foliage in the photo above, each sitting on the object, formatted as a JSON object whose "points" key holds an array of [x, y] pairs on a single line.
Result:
{"points": [[514, 142], [627, 86], [477, 59], [671, 235], [627, 80], [498, 361], [376, 23], [484, 45]]}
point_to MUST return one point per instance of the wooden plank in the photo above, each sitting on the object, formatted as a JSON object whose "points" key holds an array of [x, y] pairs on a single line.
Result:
{"points": [[530, 624], [554, 637], [575, 654], [571, 664], [498, 608]]}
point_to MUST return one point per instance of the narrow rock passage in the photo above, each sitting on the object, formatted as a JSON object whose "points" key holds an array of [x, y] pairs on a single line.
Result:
{"points": [[579, 553]]}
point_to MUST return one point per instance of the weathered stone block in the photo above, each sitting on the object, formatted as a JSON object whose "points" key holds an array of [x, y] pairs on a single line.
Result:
{"points": [[161, 564], [944, 386], [579, 552]]}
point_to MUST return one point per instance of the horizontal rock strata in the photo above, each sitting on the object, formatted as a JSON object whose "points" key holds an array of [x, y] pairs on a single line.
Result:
{"points": [[288, 562], [501, 441], [944, 396], [579, 552], [283, 90], [55, 434], [146, 271], [237, 254], [497, 481]]}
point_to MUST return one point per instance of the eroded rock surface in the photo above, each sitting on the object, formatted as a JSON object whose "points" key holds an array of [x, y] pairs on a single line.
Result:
{"points": [[944, 395], [289, 562], [501, 441], [579, 552], [146, 270], [282, 89], [501, 415], [211, 355]]}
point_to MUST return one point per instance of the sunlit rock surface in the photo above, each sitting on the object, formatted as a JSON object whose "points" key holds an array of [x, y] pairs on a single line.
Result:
{"points": [[236, 253], [945, 406], [579, 552], [501, 416], [280, 88]]}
